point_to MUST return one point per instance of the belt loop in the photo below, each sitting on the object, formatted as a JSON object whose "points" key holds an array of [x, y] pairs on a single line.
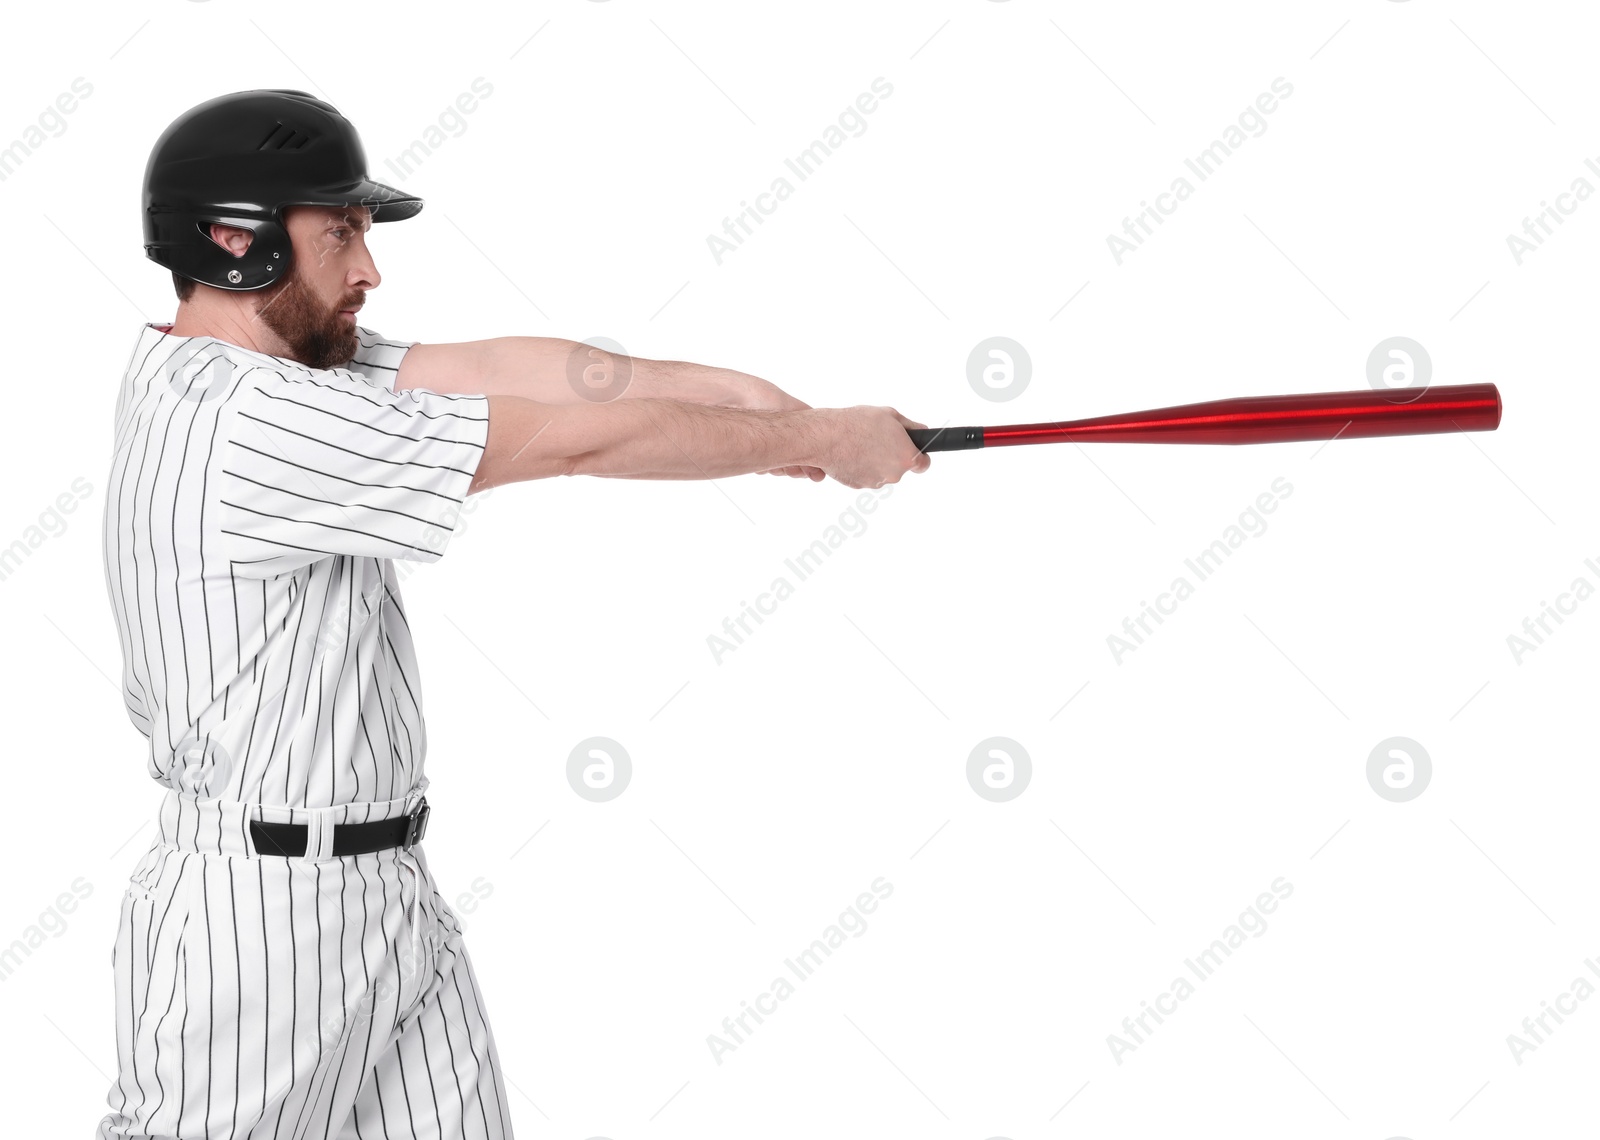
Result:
{"points": [[319, 835], [415, 794]]}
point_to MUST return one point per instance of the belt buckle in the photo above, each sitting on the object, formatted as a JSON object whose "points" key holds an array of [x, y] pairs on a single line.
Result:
{"points": [[417, 824]]}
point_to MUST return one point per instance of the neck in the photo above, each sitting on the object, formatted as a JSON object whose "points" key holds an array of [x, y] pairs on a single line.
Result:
{"points": [[229, 317]]}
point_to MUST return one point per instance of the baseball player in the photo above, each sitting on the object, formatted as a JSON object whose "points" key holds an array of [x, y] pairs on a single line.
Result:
{"points": [[285, 965]]}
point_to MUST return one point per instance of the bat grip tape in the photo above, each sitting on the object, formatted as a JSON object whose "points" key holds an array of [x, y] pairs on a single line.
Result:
{"points": [[946, 439]]}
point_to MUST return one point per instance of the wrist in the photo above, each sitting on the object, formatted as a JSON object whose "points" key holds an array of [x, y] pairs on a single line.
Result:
{"points": [[814, 436]]}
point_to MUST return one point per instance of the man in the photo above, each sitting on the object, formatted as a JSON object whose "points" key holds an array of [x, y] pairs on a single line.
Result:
{"points": [[285, 965]]}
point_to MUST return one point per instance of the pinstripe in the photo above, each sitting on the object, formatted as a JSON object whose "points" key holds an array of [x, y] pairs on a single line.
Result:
{"points": [[393, 484], [138, 622], [427, 1068], [455, 1072], [405, 1091], [155, 1064], [466, 1027], [344, 883], [238, 1017], [351, 450], [315, 499], [183, 1033], [294, 988], [309, 645], [205, 608], [266, 974], [163, 684], [383, 1117], [211, 995], [319, 1072], [359, 423], [366, 976]]}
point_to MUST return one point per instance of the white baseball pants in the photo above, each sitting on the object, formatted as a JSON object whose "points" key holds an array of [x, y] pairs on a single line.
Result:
{"points": [[293, 998]]}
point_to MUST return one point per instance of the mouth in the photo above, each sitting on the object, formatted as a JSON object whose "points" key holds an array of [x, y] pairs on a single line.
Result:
{"points": [[350, 314]]}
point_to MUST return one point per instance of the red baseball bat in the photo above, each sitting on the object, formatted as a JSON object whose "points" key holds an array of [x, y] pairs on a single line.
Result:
{"points": [[1253, 419]]}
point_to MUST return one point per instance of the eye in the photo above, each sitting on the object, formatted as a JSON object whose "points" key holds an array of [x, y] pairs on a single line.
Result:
{"points": [[341, 233]]}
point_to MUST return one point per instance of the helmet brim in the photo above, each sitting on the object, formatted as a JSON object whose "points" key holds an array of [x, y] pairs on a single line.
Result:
{"points": [[385, 202]]}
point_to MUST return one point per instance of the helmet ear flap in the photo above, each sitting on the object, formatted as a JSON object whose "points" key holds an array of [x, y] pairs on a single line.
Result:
{"points": [[267, 260]]}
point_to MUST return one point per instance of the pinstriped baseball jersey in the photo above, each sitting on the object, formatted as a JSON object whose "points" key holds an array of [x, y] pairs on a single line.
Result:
{"points": [[255, 508]]}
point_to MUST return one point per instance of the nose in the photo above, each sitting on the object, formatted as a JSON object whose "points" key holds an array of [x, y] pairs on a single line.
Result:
{"points": [[363, 273]]}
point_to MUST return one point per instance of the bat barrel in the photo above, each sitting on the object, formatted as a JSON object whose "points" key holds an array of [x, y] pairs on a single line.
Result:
{"points": [[1307, 416]]}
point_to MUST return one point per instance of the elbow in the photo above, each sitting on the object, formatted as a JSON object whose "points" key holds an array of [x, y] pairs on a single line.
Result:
{"points": [[493, 472], [528, 440], [580, 464]]}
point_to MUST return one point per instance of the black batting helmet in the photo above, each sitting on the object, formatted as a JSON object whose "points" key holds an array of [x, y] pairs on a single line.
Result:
{"points": [[239, 159]]}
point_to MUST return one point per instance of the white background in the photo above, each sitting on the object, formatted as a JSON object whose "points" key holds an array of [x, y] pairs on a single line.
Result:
{"points": [[830, 748]]}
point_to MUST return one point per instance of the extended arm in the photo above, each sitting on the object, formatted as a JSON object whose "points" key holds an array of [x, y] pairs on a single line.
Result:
{"points": [[669, 439], [550, 371]]}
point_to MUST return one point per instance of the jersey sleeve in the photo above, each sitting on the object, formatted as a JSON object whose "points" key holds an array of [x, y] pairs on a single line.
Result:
{"points": [[322, 463], [379, 359]]}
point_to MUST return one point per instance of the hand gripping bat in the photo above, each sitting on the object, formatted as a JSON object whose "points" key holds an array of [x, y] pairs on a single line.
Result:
{"points": [[1304, 416]]}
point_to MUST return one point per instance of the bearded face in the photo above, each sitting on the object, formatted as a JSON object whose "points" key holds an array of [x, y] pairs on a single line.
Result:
{"points": [[319, 333]]}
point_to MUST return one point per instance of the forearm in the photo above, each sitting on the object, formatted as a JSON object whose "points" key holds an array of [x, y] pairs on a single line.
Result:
{"points": [[645, 438], [696, 383]]}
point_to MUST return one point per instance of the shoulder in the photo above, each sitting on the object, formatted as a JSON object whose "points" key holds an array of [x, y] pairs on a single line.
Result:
{"points": [[378, 357]]}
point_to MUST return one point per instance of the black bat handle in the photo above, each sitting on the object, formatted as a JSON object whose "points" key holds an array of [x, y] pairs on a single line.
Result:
{"points": [[946, 439]]}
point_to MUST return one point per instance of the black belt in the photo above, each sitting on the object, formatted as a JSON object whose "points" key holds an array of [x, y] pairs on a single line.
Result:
{"points": [[348, 838]]}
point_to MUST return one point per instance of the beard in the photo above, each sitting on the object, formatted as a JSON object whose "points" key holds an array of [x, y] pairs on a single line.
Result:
{"points": [[317, 335]]}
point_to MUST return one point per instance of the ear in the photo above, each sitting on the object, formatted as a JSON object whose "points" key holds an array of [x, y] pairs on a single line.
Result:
{"points": [[231, 238]]}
